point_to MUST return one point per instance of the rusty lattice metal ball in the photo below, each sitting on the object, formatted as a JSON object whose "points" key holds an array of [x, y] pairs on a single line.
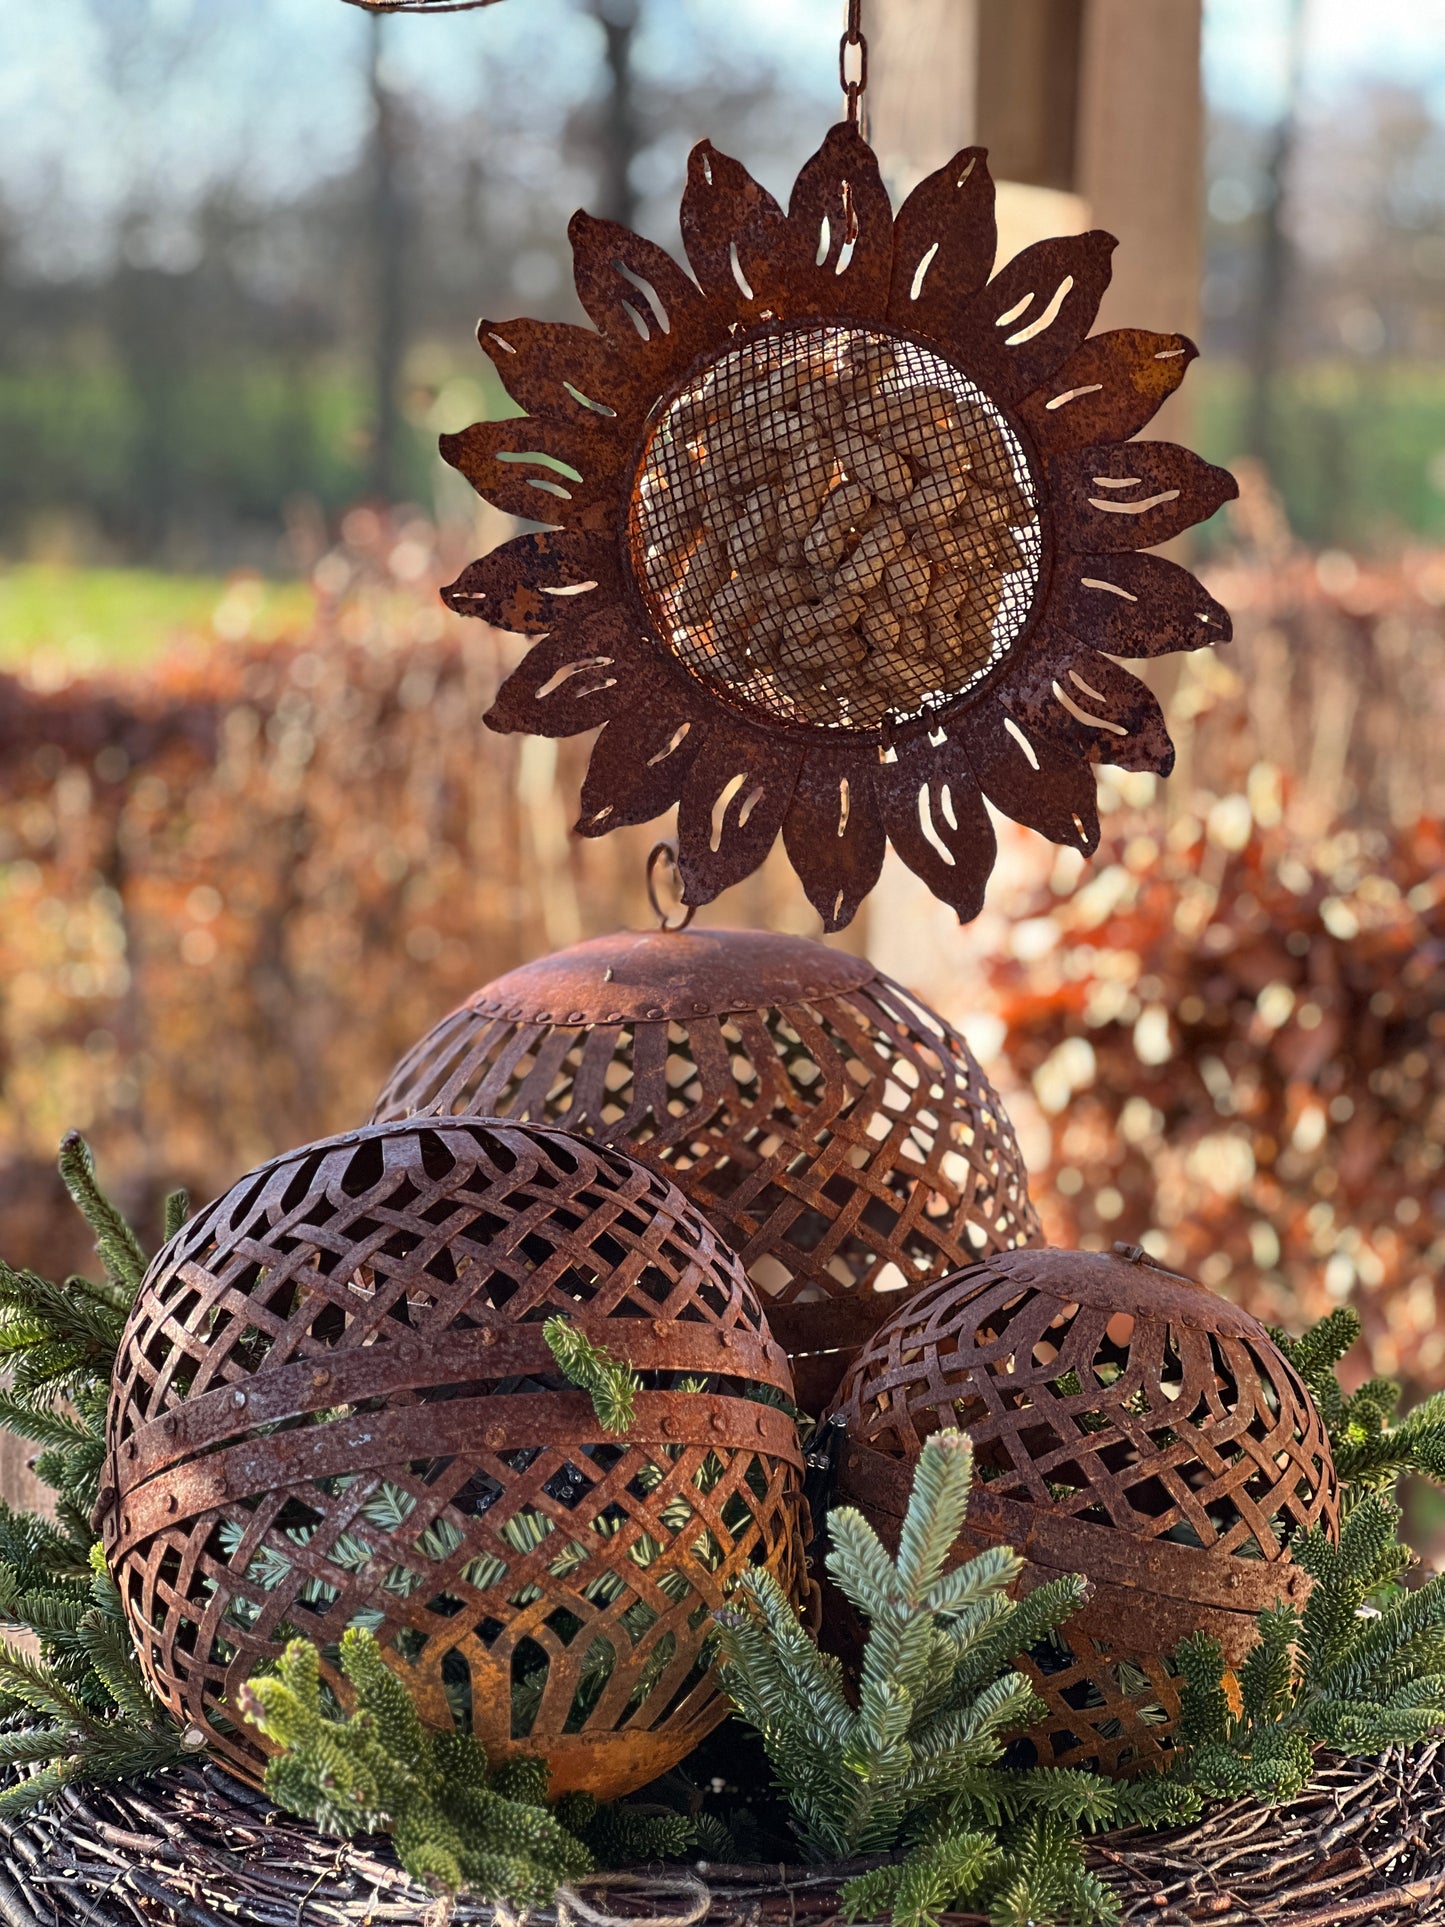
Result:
{"points": [[334, 1406], [1128, 1425], [839, 1134]]}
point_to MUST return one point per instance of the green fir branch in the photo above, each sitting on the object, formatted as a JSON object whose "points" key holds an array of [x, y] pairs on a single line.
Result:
{"points": [[115, 1242], [1362, 1667], [1373, 1445], [457, 1827], [177, 1211], [932, 1880], [77, 1705], [609, 1382], [916, 1759]]}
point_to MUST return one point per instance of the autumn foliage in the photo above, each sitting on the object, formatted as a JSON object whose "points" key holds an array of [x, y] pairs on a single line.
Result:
{"points": [[233, 890], [1238, 1040]]}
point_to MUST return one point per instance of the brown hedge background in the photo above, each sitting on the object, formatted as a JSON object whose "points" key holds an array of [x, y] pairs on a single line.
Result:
{"points": [[234, 889]]}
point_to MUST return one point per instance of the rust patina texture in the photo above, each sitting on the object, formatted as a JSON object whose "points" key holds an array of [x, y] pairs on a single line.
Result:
{"points": [[334, 1406], [421, 6], [1127, 1425], [840, 1135], [847, 528]]}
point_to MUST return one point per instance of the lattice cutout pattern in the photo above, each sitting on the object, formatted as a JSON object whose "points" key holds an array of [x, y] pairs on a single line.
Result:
{"points": [[334, 1406], [1135, 1428], [1116, 1416], [1107, 1704], [836, 527], [849, 1145]]}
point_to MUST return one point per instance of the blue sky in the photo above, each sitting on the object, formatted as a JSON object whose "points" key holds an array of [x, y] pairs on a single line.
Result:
{"points": [[94, 96], [92, 105], [1348, 40]]}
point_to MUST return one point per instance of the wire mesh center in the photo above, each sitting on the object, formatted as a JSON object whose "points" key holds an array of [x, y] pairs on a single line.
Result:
{"points": [[837, 527]]}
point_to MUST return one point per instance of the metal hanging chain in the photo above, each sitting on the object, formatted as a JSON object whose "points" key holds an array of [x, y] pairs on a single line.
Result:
{"points": [[853, 65]]}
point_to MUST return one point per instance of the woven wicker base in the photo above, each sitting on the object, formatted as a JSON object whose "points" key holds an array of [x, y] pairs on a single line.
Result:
{"points": [[1366, 1843]]}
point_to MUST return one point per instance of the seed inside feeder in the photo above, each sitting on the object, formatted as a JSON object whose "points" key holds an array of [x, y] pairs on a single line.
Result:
{"points": [[836, 527]]}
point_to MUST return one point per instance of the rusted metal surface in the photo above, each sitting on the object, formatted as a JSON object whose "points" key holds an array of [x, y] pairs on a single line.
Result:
{"points": [[841, 1136], [664, 855], [1128, 1425], [861, 528], [421, 6], [334, 1405], [668, 976]]}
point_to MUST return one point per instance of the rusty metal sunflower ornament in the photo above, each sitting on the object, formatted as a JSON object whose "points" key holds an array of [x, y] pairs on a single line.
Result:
{"points": [[845, 533]]}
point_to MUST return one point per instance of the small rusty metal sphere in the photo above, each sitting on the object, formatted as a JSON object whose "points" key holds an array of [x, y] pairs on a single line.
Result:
{"points": [[839, 1134], [334, 1406], [1128, 1425]]}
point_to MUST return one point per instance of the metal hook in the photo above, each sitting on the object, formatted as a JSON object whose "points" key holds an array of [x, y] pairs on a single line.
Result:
{"points": [[655, 856]]}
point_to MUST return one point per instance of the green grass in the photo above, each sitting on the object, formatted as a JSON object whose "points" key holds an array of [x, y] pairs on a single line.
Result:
{"points": [[96, 618], [215, 448], [1363, 451], [211, 446], [1362, 446]]}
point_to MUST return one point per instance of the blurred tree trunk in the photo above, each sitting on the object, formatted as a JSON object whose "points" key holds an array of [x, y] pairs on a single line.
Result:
{"points": [[1271, 294], [388, 245], [617, 198]]}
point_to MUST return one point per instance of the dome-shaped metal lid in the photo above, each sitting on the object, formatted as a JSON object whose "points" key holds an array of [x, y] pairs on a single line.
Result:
{"points": [[1125, 1279], [657, 975]]}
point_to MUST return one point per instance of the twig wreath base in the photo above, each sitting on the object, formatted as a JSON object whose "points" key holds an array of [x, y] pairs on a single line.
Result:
{"points": [[1365, 1842]]}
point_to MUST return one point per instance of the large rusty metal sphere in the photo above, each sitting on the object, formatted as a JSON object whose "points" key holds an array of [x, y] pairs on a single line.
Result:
{"points": [[1128, 1425], [839, 1134], [334, 1406]]}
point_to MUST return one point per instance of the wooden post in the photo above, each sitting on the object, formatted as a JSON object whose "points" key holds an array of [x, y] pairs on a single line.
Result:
{"points": [[1095, 99], [1140, 163], [922, 68], [1028, 89], [1092, 114]]}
